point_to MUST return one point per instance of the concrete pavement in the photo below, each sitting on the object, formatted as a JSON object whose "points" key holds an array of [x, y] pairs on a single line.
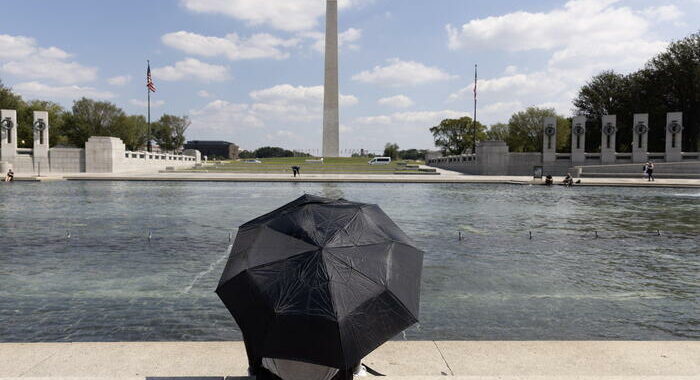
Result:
{"points": [[398, 360]]}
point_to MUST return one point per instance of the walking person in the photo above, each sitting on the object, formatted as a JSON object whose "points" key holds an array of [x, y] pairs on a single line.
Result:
{"points": [[650, 171], [644, 170]]}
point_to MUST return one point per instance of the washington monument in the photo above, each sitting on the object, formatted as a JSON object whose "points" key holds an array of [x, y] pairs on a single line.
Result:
{"points": [[331, 113]]}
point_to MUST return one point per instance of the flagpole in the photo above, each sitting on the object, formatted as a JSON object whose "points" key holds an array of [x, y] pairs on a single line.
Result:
{"points": [[148, 91], [474, 129]]}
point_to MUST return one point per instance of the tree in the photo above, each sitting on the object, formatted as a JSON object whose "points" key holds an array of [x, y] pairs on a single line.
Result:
{"points": [[133, 130], [391, 150], [525, 130], [498, 131], [169, 131], [269, 152], [669, 82], [455, 136], [93, 118], [25, 119], [412, 154]]}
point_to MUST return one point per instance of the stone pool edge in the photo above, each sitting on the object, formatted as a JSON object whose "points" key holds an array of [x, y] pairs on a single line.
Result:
{"points": [[396, 359]]}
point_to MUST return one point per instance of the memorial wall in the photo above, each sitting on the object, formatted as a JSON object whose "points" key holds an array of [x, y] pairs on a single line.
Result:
{"points": [[101, 154], [494, 158]]}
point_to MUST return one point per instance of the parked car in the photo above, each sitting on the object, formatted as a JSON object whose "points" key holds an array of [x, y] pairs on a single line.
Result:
{"points": [[252, 162], [380, 161]]}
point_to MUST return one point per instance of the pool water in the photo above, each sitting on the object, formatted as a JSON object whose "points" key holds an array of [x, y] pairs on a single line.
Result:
{"points": [[76, 262]]}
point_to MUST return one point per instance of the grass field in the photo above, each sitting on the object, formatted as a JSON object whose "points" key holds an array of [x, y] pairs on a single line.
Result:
{"points": [[342, 165]]}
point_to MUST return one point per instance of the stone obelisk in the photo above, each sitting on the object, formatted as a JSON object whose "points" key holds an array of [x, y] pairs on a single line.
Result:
{"points": [[331, 106]]}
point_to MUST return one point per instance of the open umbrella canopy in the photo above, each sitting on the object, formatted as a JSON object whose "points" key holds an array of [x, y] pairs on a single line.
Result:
{"points": [[321, 281]]}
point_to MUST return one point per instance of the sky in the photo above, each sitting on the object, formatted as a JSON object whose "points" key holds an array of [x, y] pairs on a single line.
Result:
{"points": [[251, 71]]}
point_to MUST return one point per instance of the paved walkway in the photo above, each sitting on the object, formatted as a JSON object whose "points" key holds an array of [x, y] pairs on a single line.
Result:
{"points": [[444, 177], [398, 360]]}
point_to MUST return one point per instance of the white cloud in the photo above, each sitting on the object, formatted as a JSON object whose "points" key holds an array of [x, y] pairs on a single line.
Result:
{"points": [[663, 13], [289, 15], [423, 118], [398, 101], [283, 105], [409, 129], [577, 21], [582, 38], [144, 103], [191, 68], [295, 103], [346, 39], [204, 94], [231, 46], [43, 91], [120, 80], [14, 47], [23, 57], [402, 73]]}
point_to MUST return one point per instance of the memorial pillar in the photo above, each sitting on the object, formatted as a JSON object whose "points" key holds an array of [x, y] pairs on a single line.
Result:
{"points": [[607, 142], [674, 136], [41, 142], [640, 138], [8, 135], [578, 140], [549, 143]]}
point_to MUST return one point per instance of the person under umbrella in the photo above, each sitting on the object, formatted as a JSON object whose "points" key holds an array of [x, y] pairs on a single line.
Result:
{"points": [[318, 284]]}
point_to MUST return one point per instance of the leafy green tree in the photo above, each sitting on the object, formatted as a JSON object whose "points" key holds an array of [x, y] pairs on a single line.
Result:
{"points": [[169, 131], [455, 136], [412, 154], [25, 119], [669, 82], [526, 128], [498, 131], [93, 118], [270, 152], [391, 150], [246, 154], [133, 130]]}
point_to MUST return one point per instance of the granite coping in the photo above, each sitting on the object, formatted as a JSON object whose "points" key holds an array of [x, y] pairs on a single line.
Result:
{"points": [[396, 359]]}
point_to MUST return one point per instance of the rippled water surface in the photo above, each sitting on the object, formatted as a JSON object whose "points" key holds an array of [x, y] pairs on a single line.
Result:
{"points": [[108, 283]]}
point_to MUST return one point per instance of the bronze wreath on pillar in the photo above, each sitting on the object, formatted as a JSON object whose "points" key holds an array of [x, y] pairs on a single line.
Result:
{"points": [[6, 124]]}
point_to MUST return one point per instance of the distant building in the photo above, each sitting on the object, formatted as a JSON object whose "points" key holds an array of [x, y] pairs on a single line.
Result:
{"points": [[215, 149]]}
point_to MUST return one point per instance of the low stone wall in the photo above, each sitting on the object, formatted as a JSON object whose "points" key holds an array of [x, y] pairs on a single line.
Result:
{"points": [[109, 155], [662, 170], [67, 160], [493, 158]]}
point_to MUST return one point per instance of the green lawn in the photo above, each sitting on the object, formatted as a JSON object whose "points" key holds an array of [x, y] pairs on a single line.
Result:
{"points": [[343, 165]]}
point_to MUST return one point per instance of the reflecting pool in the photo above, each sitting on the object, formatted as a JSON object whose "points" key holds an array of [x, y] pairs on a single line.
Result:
{"points": [[76, 263]]}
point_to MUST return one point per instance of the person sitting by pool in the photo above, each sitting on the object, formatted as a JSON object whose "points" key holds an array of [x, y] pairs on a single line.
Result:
{"points": [[549, 181], [568, 180], [10, 176]]}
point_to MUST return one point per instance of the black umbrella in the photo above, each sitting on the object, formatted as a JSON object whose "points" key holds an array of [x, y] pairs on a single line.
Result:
{"points": [[321, 281]]}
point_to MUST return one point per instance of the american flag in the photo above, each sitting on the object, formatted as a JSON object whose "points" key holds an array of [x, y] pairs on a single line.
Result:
{"points": [[149, 80]]}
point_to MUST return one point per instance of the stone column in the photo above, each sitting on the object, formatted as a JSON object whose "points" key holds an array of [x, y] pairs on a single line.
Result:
{"points": [[578, 140], [674, 136], [41, 142], [331, 104], [640, 137], [549, 142], [8, 136], [607, 142]]}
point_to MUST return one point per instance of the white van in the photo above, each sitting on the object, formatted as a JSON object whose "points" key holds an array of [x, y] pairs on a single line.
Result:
{"points": [[380, 161]]}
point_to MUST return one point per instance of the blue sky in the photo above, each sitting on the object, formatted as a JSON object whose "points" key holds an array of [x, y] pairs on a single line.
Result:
{"points": [[250, 71]]}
